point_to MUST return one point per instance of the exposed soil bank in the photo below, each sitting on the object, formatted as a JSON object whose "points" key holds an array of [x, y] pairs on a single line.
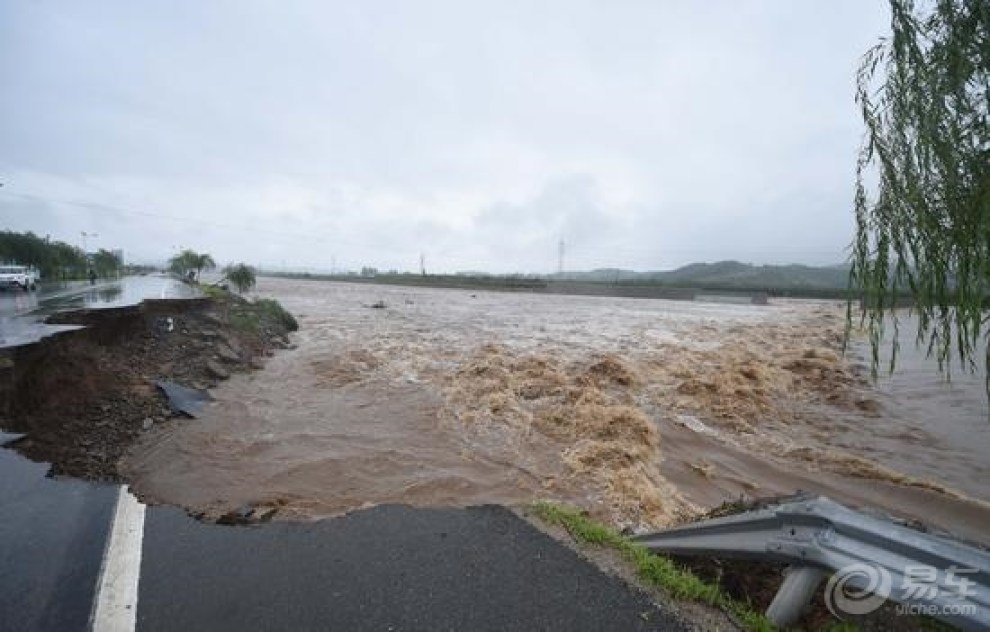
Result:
{"points": [[84, 396]]}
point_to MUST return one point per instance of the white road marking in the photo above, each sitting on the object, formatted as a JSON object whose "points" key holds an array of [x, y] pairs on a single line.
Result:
{"points": [[117, 591]]}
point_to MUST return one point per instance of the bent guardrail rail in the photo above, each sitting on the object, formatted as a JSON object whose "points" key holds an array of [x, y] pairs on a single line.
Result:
{"points": [[873, 559]]}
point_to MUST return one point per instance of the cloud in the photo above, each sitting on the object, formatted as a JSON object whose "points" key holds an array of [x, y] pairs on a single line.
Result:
{"points": [[643, 134]]}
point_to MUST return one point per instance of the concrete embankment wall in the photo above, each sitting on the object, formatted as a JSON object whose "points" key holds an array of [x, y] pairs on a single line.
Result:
{"points": [[576, 288], [656, 291], [624, 291]]}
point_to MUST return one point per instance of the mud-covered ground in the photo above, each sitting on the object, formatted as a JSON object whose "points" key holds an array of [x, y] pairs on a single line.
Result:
{"points": [[84, 396]]}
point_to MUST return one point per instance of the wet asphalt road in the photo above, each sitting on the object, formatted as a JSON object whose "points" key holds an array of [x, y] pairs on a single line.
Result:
{"points": [[387, 568], [22, 313], [52, 540], [79, 294]]}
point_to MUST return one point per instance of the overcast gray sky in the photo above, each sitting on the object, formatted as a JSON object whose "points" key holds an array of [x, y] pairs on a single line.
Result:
{"points": [[645, 134]]}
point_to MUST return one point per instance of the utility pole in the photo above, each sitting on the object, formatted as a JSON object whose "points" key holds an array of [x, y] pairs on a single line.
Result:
{"points": [[422, 264], [560, 258]]}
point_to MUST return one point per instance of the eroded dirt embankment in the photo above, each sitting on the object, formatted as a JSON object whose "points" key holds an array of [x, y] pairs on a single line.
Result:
{"points": [[84, 396]]}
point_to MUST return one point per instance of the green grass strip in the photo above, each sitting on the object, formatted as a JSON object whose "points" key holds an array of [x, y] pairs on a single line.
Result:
{"points": [[653, 569], [211, 291]]}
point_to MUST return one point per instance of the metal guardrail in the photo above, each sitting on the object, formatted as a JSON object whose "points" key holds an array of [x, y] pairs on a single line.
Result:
{"points": [[872, 556]]}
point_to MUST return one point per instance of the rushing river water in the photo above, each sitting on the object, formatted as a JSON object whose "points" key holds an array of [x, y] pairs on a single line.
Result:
{"points": [[644, 411]]}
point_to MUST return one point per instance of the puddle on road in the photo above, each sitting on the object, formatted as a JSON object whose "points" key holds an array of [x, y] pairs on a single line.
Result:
{"points": [[642, 411]]}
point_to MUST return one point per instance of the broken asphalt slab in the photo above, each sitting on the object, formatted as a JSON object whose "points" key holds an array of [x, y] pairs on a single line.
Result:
{"points": [[10, 437], [182, 399]]}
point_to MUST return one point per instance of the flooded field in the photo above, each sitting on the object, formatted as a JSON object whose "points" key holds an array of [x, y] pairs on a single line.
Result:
{"points": [[643, 411]]}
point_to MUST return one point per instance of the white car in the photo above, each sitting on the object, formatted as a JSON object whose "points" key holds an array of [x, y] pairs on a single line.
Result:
{"points": [[21, 277]]}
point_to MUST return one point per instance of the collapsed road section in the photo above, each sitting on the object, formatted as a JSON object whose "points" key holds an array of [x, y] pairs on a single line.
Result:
{"points": [[77, 398], [83, 394]]}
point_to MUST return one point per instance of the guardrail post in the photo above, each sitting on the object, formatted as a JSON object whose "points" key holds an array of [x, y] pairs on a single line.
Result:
{"points": [[813, 532], [795, 593]]}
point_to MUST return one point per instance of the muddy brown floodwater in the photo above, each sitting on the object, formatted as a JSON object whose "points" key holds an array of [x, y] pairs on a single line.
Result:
{"points": [[645, 412]]}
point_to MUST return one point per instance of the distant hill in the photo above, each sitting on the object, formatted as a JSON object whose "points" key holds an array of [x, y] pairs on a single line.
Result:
{"points": [[736, 274], [729, 274], [723, 276]]}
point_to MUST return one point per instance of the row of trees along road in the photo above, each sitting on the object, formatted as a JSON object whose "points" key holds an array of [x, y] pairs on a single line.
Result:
{"points": [[55, 260]]}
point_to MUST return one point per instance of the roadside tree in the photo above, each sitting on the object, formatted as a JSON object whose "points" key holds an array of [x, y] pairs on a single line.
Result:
{"points": [[190, 263], [241, 275], [922, 194]]}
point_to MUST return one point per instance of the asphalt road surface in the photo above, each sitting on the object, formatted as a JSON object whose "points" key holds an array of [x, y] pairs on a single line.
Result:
{"points": [[77, 556], [52, 541], [79, 294], [22, 313]]}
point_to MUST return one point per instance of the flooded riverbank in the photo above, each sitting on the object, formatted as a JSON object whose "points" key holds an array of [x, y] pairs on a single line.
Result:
{"points": [[643, 411]]}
